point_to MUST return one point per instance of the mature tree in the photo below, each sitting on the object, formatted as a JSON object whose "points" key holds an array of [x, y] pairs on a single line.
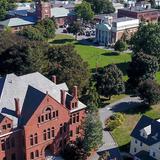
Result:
{"points": [[141, 68], [150, 92], [32, 33], [120, 46], [84, 11], [47, 27], [75, 28], [112, 81], [101, 6], [92, 132], [5, 5], [147, 40], [92, 98], [68, 66], [74, 151], [14, 59]]}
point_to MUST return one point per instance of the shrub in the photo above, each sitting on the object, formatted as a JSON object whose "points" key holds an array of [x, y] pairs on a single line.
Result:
{"points": [[114, 121], [120, 46]]}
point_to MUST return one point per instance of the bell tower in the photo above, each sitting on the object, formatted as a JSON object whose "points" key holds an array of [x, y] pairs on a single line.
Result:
{"points": [[43, 9]]}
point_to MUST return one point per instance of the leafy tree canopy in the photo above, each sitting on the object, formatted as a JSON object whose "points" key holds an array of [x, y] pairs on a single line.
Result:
{"points": [[101, 6], [112, 81], [120, 46], [147, 40], [150, 92], [84, 11], [5, 5], [141, 68]]}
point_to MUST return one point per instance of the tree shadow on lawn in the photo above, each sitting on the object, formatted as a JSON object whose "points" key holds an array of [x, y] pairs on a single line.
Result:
{"points": [[125, 148], [111, 53], [62, 41], [122, 66], [133, 109]]}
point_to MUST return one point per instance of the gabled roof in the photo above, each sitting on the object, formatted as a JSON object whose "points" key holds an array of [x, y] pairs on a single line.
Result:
{"points": [[13, 22], [12, 86], [143, 124], [32, 100]]}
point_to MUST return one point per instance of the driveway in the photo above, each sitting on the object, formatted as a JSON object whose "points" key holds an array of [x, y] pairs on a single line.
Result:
{"points": [[104, 113]]}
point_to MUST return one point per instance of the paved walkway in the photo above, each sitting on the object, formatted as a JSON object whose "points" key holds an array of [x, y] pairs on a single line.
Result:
{"points": [[119, 106]]}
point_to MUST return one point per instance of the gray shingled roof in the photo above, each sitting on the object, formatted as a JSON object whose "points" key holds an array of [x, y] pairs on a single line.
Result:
{"points": [[153, 137], [12, 86]]}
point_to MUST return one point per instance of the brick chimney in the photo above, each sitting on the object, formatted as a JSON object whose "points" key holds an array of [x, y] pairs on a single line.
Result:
{"points": [[63, 97], [17, 107], [75, 92], [54, 79]]}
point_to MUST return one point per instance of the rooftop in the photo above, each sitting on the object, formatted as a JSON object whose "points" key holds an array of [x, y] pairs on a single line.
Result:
{"points": [[139, 9], [123, 19]]}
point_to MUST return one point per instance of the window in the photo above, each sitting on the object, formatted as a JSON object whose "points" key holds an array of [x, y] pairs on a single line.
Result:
{"points": [[135, 150], [141, 144], [44, 135], [13, 156], [3, 145], [46, 117], [49, 134], [31, 155], [71, 133], [36, 138], [52, 131], [77, 130], [39, 119], [4, 127], [31, 140], [74, 118], [61, 129], [53, 114], [42, 118], [154, 154], [135, 141], [8, 125], [37, 153], [77, 118], [56, 113]]}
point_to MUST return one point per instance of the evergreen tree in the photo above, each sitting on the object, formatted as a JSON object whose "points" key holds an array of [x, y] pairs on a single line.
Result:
{"points": [[92, 132]]}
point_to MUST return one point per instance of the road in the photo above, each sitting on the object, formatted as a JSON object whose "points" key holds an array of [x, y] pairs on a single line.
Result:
{"points": [[104, 113]]}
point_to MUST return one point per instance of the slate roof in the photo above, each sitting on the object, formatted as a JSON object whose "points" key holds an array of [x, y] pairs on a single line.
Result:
{"points": [[113, 154], [154, 135], [12, 86], [13, 22], [143, 155], [58, 12]]}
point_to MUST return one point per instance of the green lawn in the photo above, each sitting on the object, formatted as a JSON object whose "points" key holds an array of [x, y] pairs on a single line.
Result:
{"points": [[122, 133]]}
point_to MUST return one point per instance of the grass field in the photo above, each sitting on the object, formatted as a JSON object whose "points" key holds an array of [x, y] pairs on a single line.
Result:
{"points": [[96, 56], [122, 133]]}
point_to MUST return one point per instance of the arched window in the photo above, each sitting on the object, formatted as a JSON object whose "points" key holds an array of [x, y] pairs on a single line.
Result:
{"points": [[36, 138], [48, 133], [37, 153], [31, 140], [44, 135], [32, 155], [52, 132]]}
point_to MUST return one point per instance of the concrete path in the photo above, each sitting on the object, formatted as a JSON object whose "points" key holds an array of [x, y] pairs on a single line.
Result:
{"points": [[104, 113]]}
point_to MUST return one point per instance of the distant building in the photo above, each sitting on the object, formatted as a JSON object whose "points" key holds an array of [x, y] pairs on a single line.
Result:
{"points": [[20, 18], [143, 14], [37, 116], [109, 30], [145, 143]]}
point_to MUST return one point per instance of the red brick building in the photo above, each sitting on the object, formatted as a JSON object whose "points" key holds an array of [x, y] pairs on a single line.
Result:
{"points": [[148, 15], [37, 115]]}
